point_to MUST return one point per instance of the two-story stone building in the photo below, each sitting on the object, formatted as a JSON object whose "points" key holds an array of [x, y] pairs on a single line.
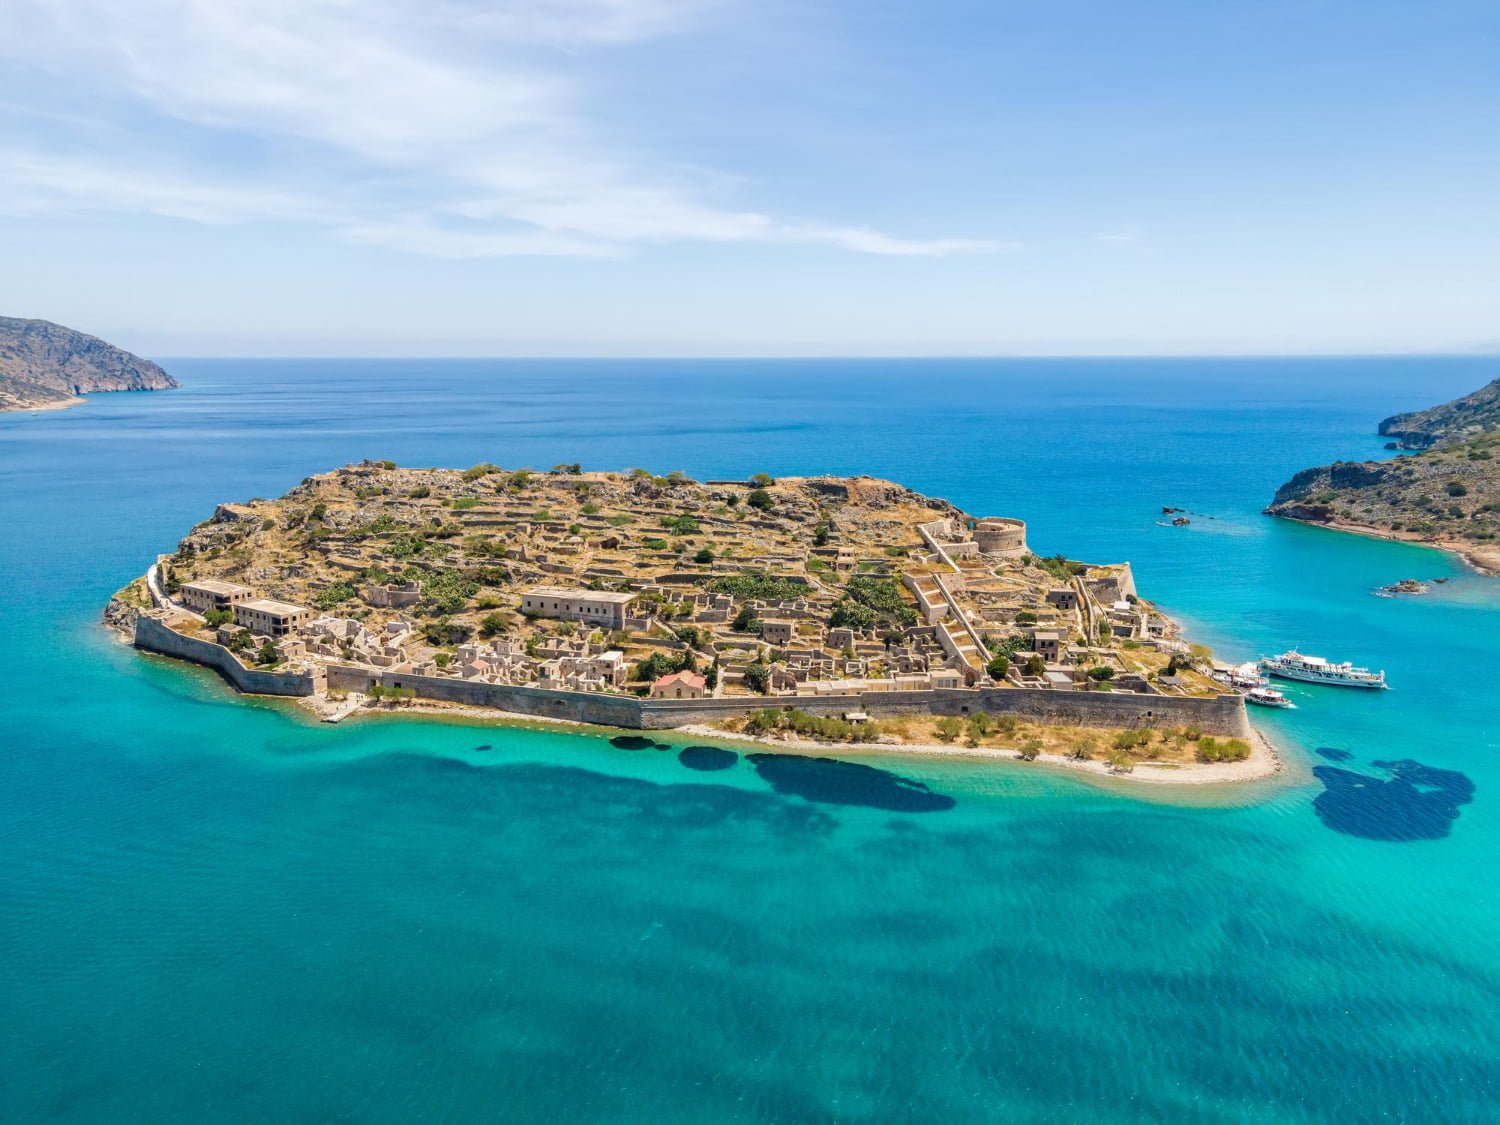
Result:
{"points": [[602, 608]]}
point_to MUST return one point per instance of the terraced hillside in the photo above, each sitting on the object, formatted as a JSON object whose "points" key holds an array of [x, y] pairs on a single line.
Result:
{"points": [[612, 581]]}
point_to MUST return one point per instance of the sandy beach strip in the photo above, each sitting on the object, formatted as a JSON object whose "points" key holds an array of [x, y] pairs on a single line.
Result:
{"points": [[1263, 763], [1482, 560]]}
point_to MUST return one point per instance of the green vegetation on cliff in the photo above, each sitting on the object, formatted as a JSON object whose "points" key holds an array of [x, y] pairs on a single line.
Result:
{"points": [[1447, 494]]}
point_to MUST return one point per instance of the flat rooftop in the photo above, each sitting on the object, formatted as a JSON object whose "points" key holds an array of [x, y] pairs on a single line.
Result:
{"points": [[270, 605], [215, 586], [578, 594]]}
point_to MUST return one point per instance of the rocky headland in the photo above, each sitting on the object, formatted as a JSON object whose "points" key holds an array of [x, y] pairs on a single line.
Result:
{"points": [[45, 366], [1446, 495]]}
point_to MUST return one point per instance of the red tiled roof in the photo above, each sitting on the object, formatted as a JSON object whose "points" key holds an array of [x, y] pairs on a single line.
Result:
{"points": [[687, 678]]}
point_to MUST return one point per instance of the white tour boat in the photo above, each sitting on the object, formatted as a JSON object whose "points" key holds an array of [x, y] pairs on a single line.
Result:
{"points": [[1268, 697], [1315, 670]]}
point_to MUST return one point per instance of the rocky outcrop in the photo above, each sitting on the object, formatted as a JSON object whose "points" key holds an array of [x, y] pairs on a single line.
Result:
{"points": [[1447, 495], [46, 365], [1465, 417]]}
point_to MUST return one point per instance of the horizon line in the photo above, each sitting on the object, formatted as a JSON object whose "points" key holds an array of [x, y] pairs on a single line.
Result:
{"points": [[834, 357]]}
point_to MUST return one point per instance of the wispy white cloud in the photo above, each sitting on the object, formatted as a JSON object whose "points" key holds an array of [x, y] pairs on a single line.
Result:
{"points": [[31, 183], [447, 127], [1125, 236]]}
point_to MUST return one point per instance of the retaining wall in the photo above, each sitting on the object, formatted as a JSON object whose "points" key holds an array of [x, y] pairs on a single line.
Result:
{"points": [[1223, 715], [579, 706], [152, 635]]}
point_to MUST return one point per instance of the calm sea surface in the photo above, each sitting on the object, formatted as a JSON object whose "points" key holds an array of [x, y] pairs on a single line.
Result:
{"points": [[214, 910]]}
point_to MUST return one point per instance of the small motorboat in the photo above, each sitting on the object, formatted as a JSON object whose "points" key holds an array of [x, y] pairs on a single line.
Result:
{"points": [[1268, 697]]}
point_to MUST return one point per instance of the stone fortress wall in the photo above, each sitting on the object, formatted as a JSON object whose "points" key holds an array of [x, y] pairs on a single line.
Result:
{"points": [[1222, 715], [153, 636]]}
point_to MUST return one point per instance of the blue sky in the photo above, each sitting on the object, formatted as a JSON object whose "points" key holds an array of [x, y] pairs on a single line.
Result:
{"points": [[461, 177]]}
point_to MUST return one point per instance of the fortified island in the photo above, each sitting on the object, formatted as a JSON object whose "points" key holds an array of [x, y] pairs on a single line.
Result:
{"points": [[1446, 494], [44, 366], [843, 609]]}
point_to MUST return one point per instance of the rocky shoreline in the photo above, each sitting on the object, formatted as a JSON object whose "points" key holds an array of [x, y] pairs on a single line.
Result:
{"points": [[1445, 496], [1482, 559]]}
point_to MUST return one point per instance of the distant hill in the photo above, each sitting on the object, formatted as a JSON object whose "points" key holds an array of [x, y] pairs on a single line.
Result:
{"points": [[1469, 416], [1447, 495], [46, 365]]}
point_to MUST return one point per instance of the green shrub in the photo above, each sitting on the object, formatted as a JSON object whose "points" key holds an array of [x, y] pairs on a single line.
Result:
{"points": [[448, 591], [949, 727], [659, 664], [335, 595], [757, 586], [745, 621], [758, 676], [850, 615]]}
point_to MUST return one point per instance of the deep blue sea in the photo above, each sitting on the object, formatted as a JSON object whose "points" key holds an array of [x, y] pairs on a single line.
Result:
{"points": [[214, 910]]}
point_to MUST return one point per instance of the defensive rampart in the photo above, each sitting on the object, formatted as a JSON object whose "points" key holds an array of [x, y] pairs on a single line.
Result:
{"points": [[1222, 715], [152, 635]]}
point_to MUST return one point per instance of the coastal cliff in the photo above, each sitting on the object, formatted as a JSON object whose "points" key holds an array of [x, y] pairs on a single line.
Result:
{"points": [[1466, 417], [1446, 495], [44, 365]]}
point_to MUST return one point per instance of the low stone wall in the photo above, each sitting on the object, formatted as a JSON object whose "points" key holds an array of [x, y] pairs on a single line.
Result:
{"points": [[153, 636], [1223, 715], [579, 706]]}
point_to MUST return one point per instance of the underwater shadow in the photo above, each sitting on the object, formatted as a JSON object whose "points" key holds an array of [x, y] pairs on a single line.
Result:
{"points": [[1418, 802], [1333, 754], [707, 758], [832, 782], [636, 742]]}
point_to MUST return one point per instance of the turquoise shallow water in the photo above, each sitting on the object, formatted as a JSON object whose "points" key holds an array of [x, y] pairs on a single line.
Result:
{"points": [[214, 910]]}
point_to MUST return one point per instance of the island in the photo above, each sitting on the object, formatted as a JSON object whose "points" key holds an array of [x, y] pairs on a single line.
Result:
{"points": [[44, 366], [800, 610], [1447, 494]]}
